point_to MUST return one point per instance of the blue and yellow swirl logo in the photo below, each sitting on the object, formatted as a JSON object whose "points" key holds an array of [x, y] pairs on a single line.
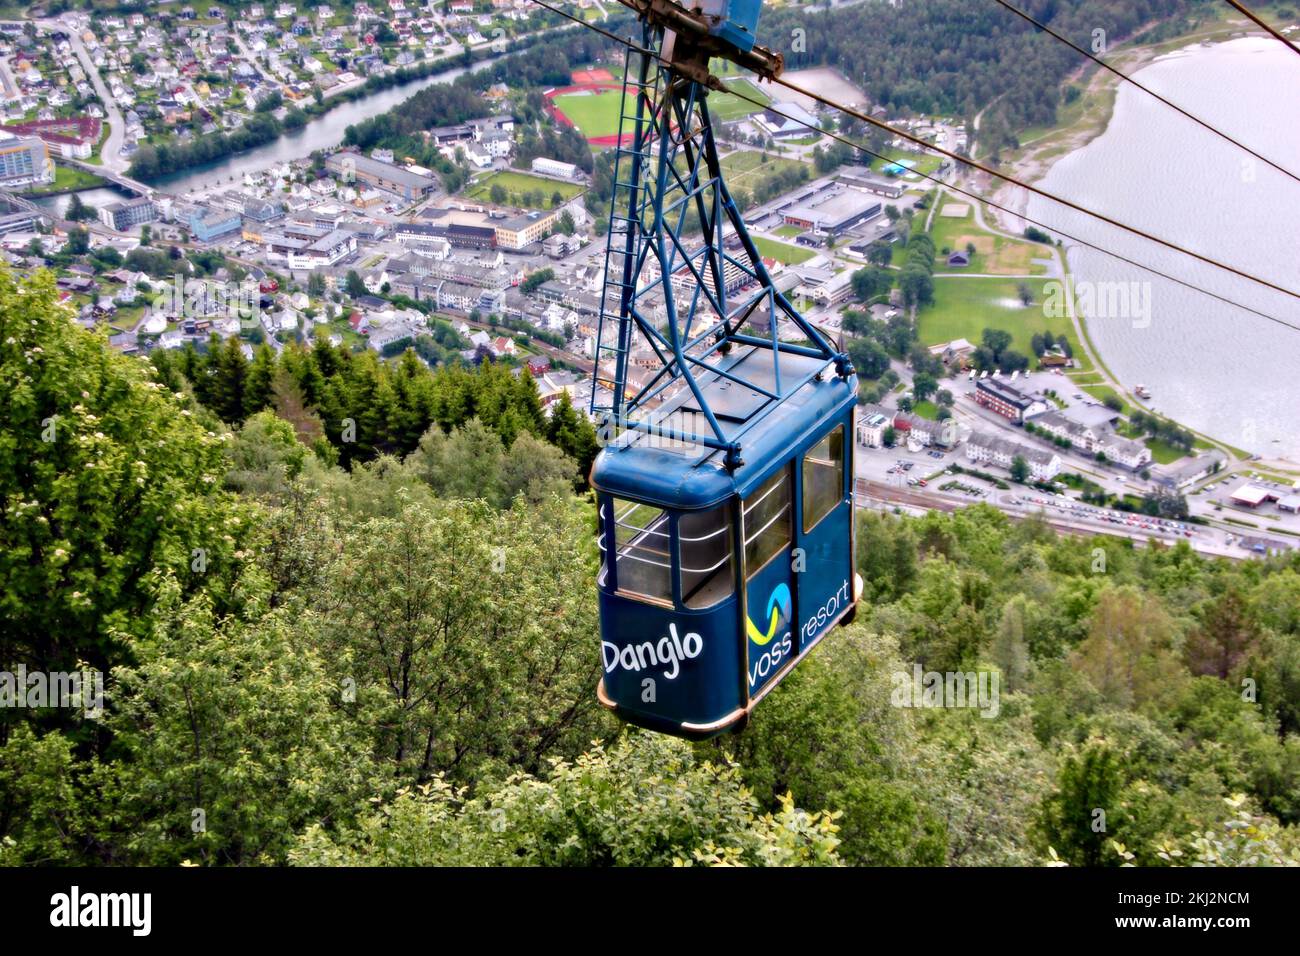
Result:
{"points": [[778, 606]]}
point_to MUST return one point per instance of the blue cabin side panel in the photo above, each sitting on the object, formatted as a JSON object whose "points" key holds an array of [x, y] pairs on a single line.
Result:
{"points": [[690, 659], [769, 623], [829, 591]]}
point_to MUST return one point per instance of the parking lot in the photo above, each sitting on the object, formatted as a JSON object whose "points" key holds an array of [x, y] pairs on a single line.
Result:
{"points": [[1069, 507]]}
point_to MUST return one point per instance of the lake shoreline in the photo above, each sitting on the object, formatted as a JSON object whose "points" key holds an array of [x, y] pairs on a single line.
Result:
{"points": [[1035, 158], [1091, 119]]}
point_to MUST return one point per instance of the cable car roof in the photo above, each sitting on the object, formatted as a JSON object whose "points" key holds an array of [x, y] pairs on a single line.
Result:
{"points": [[649, 467]]}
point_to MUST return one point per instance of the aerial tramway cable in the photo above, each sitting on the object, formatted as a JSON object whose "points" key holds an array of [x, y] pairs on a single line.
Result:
{"points": [[1029, 187], [1143, 87], [1034, 222], [630, 44], [1246, 11]]}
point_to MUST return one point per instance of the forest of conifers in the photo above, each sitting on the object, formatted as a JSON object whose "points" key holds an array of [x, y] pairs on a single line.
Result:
{"points": [[395, 663]]}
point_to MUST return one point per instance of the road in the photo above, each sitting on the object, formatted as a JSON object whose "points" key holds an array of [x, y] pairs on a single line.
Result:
{"points": [[7, 77], [111, 153]]}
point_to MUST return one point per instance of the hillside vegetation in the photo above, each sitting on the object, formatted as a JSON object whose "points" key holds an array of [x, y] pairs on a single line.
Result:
{"points": [[394, 662]]}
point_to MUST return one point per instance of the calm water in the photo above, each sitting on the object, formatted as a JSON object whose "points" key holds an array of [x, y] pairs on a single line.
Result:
{"points": [[1218, 369], [323, 132], [93, 197]]}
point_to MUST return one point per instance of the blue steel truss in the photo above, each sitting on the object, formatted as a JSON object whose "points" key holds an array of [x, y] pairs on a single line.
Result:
{"points": [[668, 243]]}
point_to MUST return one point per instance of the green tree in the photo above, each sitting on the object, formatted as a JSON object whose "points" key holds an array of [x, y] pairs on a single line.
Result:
{"points": [[1019, 469], [645, 801], [923, 386], [574, 435], [227, 375], [996, 341], [354, 286], [260, 380], [238, 736], [1081, 816], [78, 243], [112, 481], [469, 635], [869, 358], [869, 282], [265, 455]]}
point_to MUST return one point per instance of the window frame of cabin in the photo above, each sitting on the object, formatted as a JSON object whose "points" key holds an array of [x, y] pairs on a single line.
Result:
{"points": [[722, 570], [811, 458], [754, 500], [620, 549]]}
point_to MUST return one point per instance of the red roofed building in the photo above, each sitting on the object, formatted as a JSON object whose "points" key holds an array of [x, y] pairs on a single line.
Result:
{"points": [[71, 138]]}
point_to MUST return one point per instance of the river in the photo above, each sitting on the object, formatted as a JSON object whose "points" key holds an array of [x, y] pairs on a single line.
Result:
{"points": [[320, 133], [1215, 368]]}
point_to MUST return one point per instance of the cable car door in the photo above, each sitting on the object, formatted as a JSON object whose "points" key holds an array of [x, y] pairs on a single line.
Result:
{"points": [[769, 602], [823, 566]]}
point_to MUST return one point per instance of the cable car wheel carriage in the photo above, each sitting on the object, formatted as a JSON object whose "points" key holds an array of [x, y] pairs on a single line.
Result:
{"points": [[725, 486]]}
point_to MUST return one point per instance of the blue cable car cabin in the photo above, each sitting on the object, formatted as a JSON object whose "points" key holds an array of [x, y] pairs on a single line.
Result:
{"points": [[725, 503], [715, 582]]}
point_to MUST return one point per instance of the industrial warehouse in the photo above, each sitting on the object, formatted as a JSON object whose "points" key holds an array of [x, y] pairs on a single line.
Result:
{"points": [[832, 210]]}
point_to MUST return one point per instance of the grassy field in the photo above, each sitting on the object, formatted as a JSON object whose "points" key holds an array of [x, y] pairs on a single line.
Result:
{"points": [[516, 184], [996, 255], [783, 251], [965, 306], [66, 179], [1104, 392], [596, 112], [746, 169]]}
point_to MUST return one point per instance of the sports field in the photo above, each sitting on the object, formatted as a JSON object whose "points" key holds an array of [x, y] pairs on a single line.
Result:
{"points": [[725, 108], [594, 111], [591, 75], [782, 251], [954, 229]]}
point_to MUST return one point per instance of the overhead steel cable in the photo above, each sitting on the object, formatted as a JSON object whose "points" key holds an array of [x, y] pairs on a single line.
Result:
{"points": [[1034, 222], [1029, 187], [857, 114], [1247, 12], [1143, 87]]}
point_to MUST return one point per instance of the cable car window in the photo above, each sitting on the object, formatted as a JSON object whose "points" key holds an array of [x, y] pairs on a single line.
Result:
{"points": [[705, 539], [643, 565], [767, 521], [823, 478]]}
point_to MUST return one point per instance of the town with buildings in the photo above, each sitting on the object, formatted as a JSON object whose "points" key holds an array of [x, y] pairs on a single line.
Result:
{"points": [[372, 251]]}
